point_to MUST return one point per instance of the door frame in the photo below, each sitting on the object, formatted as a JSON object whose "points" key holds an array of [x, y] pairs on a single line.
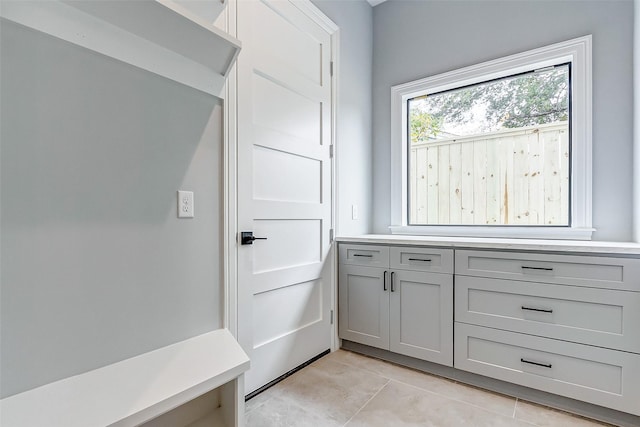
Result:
{"points": [[230, 170]]}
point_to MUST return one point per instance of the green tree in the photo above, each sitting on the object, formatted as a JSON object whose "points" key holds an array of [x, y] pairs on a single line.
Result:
{"points": [[423, 125], [525, 100]]}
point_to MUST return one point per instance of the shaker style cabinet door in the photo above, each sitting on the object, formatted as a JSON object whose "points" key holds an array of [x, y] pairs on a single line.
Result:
{"points": [[363, 305], [421, 315]]}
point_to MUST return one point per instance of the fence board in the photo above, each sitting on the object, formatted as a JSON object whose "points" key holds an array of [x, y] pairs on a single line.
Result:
{"points": [[432, 185], [421, 186], [509, 177], [468, 181], [521, 179], [455, 184], [493, 183], [479, 208], [552, 177], [564, 182], [444, 192], [412, 184], [536, 181]]}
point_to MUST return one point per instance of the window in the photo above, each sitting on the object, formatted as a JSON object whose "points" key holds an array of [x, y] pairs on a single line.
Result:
{"points": [[500, 149]]}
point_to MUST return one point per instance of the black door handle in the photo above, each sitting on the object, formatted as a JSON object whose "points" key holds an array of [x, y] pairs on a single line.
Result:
{"points": [[246, 238]]}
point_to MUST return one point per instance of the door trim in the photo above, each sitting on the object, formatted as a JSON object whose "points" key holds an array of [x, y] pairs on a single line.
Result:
{"points": [[230, 168]]}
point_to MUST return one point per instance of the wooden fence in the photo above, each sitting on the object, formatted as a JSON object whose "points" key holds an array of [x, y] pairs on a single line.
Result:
{"points": [[508, 177]]}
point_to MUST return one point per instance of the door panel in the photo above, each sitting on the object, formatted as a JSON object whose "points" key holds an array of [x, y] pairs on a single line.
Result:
{"points": [[272, 324], [286, 110], [270, 184], [290, 242], [284, 188]]}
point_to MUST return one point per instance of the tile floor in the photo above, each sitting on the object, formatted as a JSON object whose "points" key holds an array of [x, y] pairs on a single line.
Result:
{"points": [[348, 389]]}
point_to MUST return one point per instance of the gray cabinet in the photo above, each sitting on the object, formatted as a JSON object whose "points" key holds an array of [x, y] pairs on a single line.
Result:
{"points": [[390, 298], [565, 324], [421, 315], [363, 305], [562, 323]]}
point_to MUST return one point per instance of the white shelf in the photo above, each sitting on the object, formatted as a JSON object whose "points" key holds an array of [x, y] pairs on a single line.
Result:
{"points": [[134, 390], [159, 36]]}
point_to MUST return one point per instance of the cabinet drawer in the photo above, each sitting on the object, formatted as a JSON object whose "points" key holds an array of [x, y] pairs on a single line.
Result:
{"points": [[369, 255], [596, 375], [590, 271], [601, 317], [422, 259]]}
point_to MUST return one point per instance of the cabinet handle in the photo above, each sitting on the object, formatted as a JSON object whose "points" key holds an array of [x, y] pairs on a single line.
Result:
{"points": [[542, 310], [544, 365], [524, 267], [384, 280], [364, 256], [420, 259], [393, 288]]}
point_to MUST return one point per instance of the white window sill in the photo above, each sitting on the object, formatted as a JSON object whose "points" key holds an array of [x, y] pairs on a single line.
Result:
{"points": [[512, 232]]}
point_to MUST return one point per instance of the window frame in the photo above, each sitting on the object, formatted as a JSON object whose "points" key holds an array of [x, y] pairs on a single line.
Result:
{"points": [[577, 52]]}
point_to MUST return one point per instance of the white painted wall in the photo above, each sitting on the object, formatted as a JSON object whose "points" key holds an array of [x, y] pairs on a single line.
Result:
{"points": [[415, 39], [354, 152], [95, 265]]}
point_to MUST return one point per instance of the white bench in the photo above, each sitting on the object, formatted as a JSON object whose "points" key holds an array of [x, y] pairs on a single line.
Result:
{"points": [[160, 387]]}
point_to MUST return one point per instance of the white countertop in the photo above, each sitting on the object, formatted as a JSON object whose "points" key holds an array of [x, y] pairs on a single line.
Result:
{"points": [[592, 247]]}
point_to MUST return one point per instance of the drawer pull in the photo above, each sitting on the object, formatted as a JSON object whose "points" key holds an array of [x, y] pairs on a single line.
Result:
{"points": [[393, 288], [544, 365], [363, 255], [542, 310], [384, 281], [420, 259], [524, 267]]}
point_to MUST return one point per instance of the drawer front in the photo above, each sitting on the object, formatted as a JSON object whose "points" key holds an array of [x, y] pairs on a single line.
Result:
{"points": [[368, 255], [601, 317], [590, 271], [422, 259], [596, 375]]}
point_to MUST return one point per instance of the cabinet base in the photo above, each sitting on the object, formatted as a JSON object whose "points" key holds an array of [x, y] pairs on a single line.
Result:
{"points": [[547, 399]]}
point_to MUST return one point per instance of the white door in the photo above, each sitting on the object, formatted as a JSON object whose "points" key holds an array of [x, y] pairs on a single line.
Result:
{"points": [[284, 187]]}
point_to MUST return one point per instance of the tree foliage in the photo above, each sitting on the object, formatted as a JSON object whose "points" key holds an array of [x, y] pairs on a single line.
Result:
{"points": [[525, 100]]}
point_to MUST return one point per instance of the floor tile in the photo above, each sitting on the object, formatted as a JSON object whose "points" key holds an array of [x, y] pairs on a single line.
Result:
{"points": [[495, 402], [259, 399], [284, 412], [360, 391], [332, 388], [543, 416], [402, 405]]}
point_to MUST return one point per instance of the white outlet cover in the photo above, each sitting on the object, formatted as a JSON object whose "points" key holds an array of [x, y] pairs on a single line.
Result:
{"points": [[185, 204]]}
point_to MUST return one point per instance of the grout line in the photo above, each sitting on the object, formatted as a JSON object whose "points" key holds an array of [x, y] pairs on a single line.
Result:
{"points": [[367, 402], [515, 407], [455, 399]]}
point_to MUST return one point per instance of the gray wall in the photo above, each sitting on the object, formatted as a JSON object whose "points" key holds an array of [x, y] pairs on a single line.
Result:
{"points": [[354, 152], [415, 39], [636, 121], [95, 265]]}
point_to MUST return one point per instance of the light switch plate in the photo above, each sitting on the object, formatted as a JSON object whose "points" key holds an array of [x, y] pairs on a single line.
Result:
{"points": [[185, 204]]}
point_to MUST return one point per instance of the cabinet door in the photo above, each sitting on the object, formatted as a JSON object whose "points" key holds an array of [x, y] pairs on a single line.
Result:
{"points": [[421, 315], [363, 305]]}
